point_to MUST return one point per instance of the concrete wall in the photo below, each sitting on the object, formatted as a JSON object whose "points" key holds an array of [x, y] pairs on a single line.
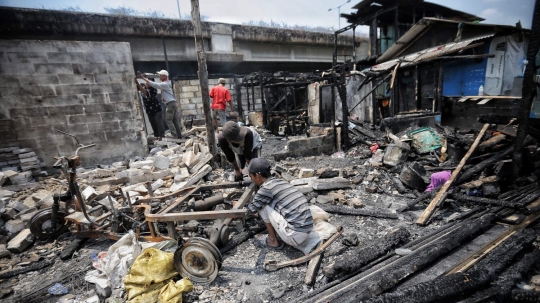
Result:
{"points": [[83, 88], [189, 95]]}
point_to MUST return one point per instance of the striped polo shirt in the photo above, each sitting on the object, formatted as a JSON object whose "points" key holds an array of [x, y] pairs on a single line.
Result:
{"points": [[285, 199]]}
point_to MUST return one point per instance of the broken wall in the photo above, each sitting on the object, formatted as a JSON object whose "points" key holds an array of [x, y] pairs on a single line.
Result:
{"points": [[364, 110], [82, 88], [188, 93]]}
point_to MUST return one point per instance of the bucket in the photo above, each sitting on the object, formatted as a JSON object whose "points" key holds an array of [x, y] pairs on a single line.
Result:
{"points": [[414, 175]]}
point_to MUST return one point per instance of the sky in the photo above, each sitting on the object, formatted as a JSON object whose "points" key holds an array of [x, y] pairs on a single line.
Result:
{"points": [[301, 12]]}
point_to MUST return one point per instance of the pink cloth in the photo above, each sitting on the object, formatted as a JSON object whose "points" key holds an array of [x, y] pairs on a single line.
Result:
{"points": [[438, 179]]}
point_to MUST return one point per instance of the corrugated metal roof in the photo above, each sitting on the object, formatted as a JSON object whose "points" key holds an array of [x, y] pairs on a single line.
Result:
{"points": [[420, 28], [428, 53]]}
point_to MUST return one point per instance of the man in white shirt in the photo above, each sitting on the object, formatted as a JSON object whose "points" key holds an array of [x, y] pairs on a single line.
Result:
{"points": [[172, 115]]}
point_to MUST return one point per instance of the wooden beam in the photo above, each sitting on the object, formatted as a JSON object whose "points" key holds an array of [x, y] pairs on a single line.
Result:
{"points": [[482, 252], [441, 195]]}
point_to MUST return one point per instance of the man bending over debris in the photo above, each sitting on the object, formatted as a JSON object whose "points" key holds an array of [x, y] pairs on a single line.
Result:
{"points": [[284, 209], [240, 144], [172, 114]]}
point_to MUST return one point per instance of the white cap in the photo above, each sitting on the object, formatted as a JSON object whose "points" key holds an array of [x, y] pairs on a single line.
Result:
{"points": [[163, 72]]}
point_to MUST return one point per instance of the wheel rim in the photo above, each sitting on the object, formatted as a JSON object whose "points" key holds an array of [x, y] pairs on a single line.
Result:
{"points": [[41, 224], [199, 260]]}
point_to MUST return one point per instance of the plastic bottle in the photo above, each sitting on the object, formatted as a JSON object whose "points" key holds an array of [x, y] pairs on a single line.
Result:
{"points": [[481, 90]]}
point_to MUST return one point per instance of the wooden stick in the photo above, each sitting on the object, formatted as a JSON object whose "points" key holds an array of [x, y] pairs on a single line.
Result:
{"points": [[441, 196]]}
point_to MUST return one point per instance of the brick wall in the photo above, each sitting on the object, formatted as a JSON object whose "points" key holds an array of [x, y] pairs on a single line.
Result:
{"points": [[189, 95], [82, 88]]}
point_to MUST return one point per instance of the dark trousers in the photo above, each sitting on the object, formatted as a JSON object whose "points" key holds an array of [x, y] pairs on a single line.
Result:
{"points": [[156, 121], [241, 160]]}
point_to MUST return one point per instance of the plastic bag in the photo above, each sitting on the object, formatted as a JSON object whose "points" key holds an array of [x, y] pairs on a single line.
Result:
{"points": [[318, 214], [119, 258], [149, 273], [172, 292], [58, 289]]}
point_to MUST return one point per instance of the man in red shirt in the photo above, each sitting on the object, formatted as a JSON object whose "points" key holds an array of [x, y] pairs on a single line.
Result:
{"points": [[220, 97]]}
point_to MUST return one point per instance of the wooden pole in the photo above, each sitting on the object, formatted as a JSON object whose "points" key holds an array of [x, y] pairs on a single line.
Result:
{"points": [[528, 91], [203, 77], [441, 195]]}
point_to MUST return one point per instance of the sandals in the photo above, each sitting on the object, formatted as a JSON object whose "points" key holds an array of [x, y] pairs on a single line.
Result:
{"points": [[262, 240]]}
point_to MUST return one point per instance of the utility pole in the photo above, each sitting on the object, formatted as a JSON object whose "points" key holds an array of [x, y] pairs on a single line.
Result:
{"points": [[529, 89], [179, 15], [203, 77]]}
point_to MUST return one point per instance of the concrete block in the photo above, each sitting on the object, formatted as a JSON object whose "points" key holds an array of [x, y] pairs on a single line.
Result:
{"points": [[18, 206], [42, 195], [304, 189], [84, 119], [190, 88], [14, 45], [86, 68], [28, 216], [161, 162], [116, 116], [4, 252], [8, 213], [27, 57], [162, 174], [65, 57], [27, 155], [324, 199], [53, 68], [297, 144], [140, 164], [19, 69], [73, 89], [327, 184], [306, 173], [189, 112], [314, 142], [89, 194], [302, 181], [46, 46], [14, 226], [22, 241]]}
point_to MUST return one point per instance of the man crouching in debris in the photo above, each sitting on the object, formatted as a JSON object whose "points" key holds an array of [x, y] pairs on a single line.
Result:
{"points": [[240, 145], [284, 209]]}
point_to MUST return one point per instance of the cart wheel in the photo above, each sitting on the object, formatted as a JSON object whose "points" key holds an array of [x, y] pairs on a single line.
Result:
{"points": [[41, 224], [199, 260]]}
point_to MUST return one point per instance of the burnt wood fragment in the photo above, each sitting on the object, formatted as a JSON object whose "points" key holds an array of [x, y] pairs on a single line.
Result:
{"points": [[342, 210], [482, 200], [521, 295], [361, 256], [243, 236], [453, 286], [33, 267], [467, 175]]}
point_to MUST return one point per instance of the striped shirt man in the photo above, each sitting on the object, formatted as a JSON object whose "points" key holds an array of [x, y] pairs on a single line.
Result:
{"points": [[285, 199]]}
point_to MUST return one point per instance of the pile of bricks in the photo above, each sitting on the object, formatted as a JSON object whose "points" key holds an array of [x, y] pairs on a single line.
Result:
{"points": [[18, 165]]}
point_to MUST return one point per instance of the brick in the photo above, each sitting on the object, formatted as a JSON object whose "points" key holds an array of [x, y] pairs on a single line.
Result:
{"points": [[76, 79], [196, 100], [28, 112], [64, 57], [14, 226], [53, 68], [73, 89], [116, 116], [184, 101], [100, 57], [314, 142], [85, 68], [190, 88], [46, 46], [65, 110], [46, 120], [99, 108], [84, 119], [27, 57], [22, 241]]}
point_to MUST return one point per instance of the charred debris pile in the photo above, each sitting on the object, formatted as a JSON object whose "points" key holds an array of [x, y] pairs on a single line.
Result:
{"points": [[448, 187]]}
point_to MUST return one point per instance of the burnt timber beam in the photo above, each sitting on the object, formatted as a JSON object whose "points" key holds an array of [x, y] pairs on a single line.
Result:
{"points": [[441, 195]]}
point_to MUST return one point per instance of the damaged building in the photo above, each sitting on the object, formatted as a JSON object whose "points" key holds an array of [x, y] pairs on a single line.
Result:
{"points": [[415, 148]]}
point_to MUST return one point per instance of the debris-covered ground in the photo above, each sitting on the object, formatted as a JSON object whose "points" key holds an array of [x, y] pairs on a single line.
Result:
{"points": [[374, 191]]}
